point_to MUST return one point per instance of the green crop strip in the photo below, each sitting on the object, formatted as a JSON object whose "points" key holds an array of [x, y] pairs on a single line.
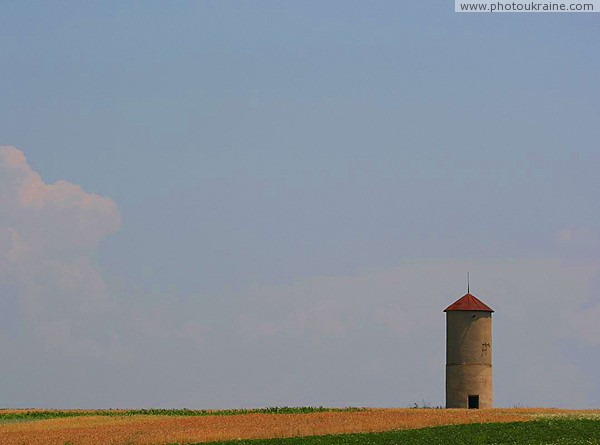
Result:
{"points": [[538, 432], [55, 414]]}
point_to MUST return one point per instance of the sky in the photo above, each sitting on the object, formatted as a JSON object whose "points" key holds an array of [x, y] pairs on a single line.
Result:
{"points": [[226, 204]]}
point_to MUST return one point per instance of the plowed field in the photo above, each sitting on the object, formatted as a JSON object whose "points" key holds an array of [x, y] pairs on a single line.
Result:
{"points": [[159, 429]]}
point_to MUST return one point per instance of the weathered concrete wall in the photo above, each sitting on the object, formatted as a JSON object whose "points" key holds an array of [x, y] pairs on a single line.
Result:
{"points": [[469, 358]]}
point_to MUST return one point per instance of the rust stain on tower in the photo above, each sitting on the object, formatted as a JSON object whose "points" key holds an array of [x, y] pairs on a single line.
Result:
{"points": [[469, 382]]}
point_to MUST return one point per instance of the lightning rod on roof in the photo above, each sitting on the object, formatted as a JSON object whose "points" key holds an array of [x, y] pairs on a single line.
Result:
{"points": [[468, 284]]}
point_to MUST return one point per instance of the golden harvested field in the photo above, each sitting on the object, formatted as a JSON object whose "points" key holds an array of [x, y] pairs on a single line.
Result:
{"points": [[158, 429]]}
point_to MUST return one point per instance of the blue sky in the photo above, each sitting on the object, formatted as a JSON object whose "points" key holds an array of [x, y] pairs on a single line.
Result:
{"points": [[260, 150]]}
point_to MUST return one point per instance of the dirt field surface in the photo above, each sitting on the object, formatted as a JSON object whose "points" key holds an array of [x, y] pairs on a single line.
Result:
{"points": [[145, 429]]}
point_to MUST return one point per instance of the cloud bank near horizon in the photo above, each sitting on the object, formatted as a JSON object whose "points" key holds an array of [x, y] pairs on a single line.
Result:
{"points": [[381, 329], [389, 326]]}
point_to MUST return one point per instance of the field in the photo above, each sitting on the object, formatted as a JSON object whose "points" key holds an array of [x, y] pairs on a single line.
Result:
{"points": [[291, 426], [539, 432]]}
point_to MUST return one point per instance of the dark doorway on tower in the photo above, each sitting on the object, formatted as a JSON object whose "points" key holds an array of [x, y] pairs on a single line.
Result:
{"points": [[474, 402]]}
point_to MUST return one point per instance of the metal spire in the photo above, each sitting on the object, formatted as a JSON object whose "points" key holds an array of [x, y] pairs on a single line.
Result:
{"points": [[468, 284]]}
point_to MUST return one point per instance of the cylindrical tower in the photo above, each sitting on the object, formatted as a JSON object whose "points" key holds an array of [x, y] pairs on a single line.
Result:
{"points": [[469, 354]]}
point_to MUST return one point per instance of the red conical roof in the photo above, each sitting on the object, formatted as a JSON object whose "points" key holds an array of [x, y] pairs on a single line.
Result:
{"points": [[468, 303]]}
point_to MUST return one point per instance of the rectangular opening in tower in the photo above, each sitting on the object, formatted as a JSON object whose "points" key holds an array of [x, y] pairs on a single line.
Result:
{"points": [[474, 402]]}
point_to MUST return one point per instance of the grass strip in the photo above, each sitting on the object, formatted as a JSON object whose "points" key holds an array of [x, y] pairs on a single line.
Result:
{"points": [[56, 414], [537, 432]]}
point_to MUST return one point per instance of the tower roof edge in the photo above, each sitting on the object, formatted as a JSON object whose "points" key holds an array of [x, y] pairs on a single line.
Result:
{"points": [[469, 302]]}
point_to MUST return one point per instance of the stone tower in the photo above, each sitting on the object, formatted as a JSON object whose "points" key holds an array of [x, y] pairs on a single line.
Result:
{"points": [[469, 354]]}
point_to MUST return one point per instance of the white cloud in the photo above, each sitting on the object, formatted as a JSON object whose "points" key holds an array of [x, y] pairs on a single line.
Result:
{"points": [[48, 233], [579, 237]]}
